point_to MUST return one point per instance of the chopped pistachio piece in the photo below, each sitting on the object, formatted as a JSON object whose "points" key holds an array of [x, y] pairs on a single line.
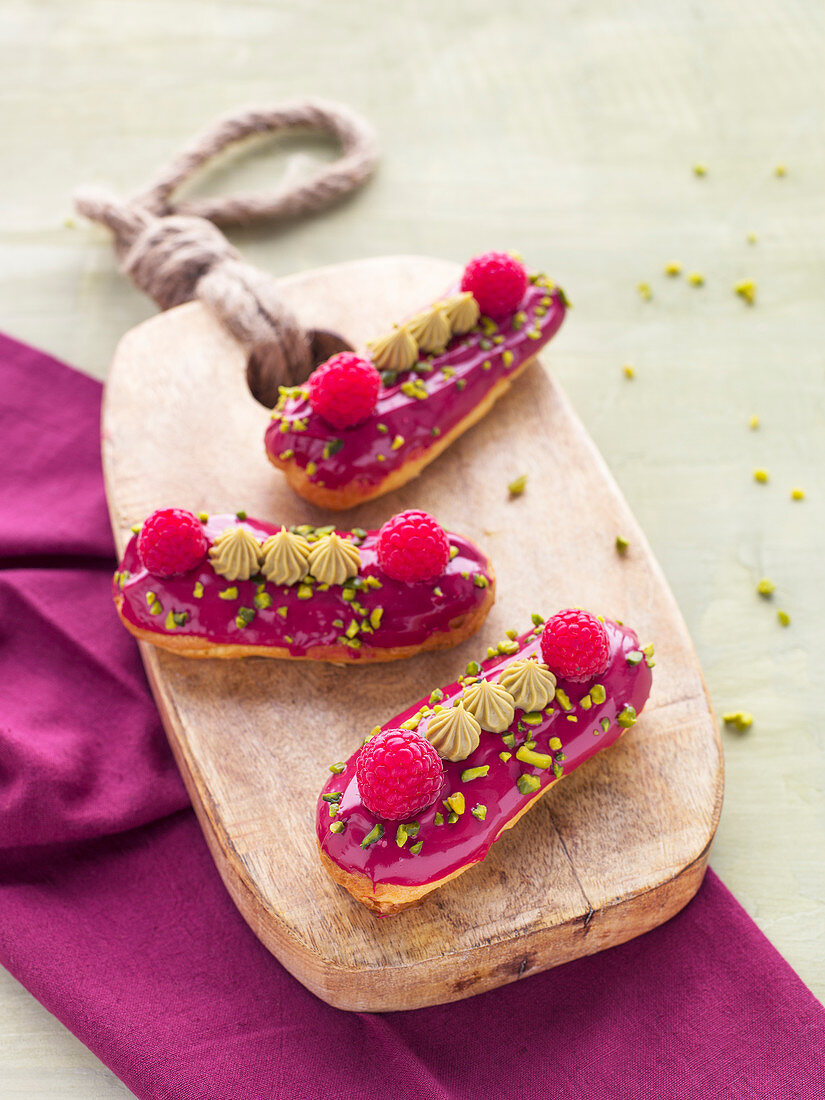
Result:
{"points": [[528, 784], [504, 756], [452, 818], [474, 773], [753, 423], [517, 486], [197, 591], [585, 702], [373, 835], [533, 718], [598, 693], [780, 171], [629, 371], [438, 819], [740, 720], [784, 618], [337, 767], [746, 290], [397, 442], [605, 724], [332, 796], [337, 826], [563, 699], [627, 716], [696, 278], [797, 494], [673, 268], [436, 695], [622, 544], [245, 616], [509, 740], [507, 357], [416, 848], [228, 593], [645, 293], [700, 170], [401, 835], [262, 600], [455, 802], [535, 759], [766, 587], [479, 811], [635, 657]]}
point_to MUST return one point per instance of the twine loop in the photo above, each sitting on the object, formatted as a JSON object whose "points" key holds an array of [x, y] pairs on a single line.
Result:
{"points": [[175, 253]]}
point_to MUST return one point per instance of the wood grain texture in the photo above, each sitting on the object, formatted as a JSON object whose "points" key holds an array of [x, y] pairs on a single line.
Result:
{"points": [[619, 847]]}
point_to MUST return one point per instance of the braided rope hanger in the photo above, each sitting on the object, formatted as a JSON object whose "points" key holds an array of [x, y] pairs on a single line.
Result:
{"points": [[175, 253]]}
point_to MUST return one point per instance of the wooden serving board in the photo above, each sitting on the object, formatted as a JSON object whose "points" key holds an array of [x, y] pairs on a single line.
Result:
{"points": [[612, 851]]}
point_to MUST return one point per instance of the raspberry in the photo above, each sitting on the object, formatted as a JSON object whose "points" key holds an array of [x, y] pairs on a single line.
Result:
{"points": [[412, 547], [574, 645], [399, 773], [171, 542], [344, 390], [497, 282]]}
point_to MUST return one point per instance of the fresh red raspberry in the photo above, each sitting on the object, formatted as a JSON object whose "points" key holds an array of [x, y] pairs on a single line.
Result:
{"points": [[344, 390], [171, 542], [399, 773], [574, 645], [412, 547], [497, 282]]}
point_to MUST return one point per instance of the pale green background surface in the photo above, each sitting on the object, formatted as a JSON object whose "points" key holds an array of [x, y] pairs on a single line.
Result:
{"points": [[567, 131]]}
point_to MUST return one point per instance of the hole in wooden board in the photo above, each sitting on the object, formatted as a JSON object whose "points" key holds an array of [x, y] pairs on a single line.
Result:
{"points": [[261, 379]]}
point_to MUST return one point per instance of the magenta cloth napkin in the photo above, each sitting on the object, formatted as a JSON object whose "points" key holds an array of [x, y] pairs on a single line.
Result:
{"points": [[113, 915]]}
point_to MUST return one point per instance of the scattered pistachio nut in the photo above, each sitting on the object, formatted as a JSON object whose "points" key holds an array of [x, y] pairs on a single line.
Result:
{"points": [[741, 720]]}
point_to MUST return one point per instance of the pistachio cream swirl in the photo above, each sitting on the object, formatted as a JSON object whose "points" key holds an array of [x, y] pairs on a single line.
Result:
{"points": [[462, 312], [333, 560], [396, 351], [235, 554], [530, 682], [430, 329], [490, 704], [284, 557], [453, 733]]}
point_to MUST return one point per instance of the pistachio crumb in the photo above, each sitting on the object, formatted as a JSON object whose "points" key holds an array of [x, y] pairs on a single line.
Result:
{"points": [[517, 486], [700, 169], [673, 268], [628, 371], [784, 618], [765, 587], [751, 237], [741, 720], [696, 278], [760, 475], [753, 423], [780, 170], [746, 289], [622, 544], [645, 293], [797, 494]]}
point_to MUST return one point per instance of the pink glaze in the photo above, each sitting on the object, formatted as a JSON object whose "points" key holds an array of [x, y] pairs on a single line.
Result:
{"points": [[415, 420], [411, 612], [446, 848]]}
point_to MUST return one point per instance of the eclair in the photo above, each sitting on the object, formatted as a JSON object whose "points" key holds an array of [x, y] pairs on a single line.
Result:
{"points": [[233, 586], [429, 792], [365, 424]]}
